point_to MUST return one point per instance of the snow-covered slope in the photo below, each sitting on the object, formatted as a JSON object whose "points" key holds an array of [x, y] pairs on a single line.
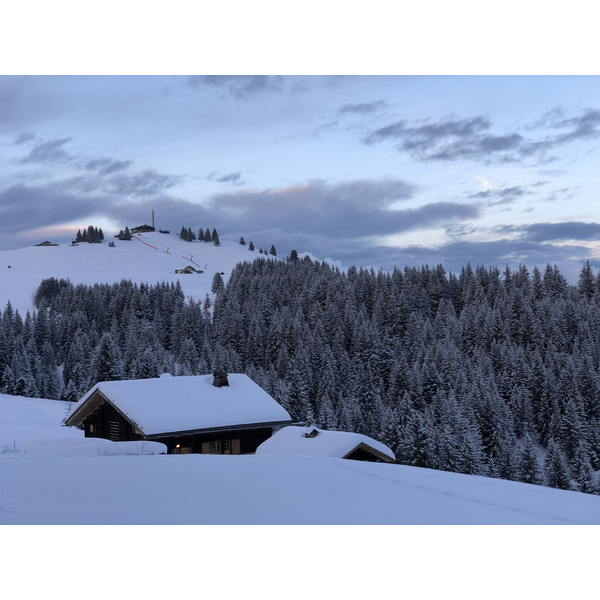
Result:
{"points": [[147, 258], [197, 489]]}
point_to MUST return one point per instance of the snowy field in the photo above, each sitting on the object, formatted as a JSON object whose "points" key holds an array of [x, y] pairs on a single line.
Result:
{"points": [[147, 258], [220, 490]]}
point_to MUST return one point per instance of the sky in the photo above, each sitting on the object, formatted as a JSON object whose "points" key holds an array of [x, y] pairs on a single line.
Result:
{"points": [[376, 171]]}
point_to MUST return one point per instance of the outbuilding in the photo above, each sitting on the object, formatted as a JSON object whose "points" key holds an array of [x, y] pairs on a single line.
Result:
{"points": [[206, 414], [312, 441]]}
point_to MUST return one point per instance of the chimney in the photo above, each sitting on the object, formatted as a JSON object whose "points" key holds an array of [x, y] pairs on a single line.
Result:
{"points": [[220, 379]]}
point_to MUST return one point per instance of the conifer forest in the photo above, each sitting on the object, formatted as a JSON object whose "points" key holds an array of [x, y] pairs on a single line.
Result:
{"points": [[485, 372]]}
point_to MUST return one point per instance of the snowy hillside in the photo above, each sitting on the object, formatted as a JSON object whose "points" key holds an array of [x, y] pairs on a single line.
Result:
{"points": [[147, 258], [197, 489]]}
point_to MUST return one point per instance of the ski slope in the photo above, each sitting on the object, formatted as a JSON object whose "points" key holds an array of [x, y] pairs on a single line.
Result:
{"points": [[146, 258], [249, 489]]}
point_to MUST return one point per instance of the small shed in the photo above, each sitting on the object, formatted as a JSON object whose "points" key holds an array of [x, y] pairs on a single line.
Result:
{"points": [[188, 414], [185, 271], [312, 441]]}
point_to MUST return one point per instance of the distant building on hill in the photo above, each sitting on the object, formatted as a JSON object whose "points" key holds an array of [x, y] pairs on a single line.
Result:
{"points": [[46, 243], [187, 270], [143, 229], [206, 414]]}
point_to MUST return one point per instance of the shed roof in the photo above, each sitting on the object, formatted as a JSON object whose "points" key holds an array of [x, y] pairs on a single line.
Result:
{"points": [[333, 444], [179, 404]]}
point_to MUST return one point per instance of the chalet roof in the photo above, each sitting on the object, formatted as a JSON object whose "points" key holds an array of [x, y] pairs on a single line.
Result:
{"points": [[182, 404], [332, 444]]}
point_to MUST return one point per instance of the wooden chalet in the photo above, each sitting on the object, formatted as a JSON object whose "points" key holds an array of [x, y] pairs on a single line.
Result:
{"points": [[143, 229], [46, 243], [311, 441], [187, 270], [220, 414]]}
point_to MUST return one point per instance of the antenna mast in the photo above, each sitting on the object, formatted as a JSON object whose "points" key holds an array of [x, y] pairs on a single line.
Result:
{"points": [[152, 218]]}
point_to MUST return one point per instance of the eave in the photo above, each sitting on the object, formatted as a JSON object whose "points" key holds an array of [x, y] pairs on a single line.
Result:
{"points": [[380, 455], [244, 426]]}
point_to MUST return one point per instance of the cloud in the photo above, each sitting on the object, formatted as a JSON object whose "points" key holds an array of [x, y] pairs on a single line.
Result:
{"points": [[584, 126], [48, 152], [484, 182], [505, 195], [233, 178], [363, 108], [450, 139], [107, 166], [556, 232], [238, 86], [458, 139], [23, 138], [358, 208], [25, 207], [146, 183]]}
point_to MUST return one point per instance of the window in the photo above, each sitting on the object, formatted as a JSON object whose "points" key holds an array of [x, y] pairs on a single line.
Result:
{"points": [[92, 428], [214, 447], [114, 431], [226, 446]]}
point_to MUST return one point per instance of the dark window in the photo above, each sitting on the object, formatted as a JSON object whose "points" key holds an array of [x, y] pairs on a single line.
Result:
{"points": [[114, 431]]}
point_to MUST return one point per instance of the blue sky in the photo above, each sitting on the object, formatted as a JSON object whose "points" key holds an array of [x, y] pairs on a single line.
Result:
{"points": [[367, 170]]}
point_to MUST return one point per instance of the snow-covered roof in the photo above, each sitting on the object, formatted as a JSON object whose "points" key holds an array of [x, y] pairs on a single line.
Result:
{"points": [[178, 404], [333, 444]]}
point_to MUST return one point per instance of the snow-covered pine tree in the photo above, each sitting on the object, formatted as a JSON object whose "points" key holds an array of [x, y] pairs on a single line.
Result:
{"points": [[556, 469]]}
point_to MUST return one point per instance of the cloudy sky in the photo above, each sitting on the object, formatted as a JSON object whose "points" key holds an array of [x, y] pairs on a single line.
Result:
{"points": [[367, 170]]}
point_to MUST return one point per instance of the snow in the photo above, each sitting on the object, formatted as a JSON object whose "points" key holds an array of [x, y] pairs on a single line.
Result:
{"points": [[23, 420], [207, 489], [147, 258], [91, 447], [334, 444], [259, 489], [171, 404]]}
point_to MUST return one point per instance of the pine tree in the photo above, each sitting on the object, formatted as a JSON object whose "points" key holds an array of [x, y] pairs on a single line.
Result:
{"points": [[107, 363], [242, 241], [217, 285], [251, 247], [215, 238], [586, 283], [555, 468], [582, 471], [273, 251], [528, 467], [188, 358]]}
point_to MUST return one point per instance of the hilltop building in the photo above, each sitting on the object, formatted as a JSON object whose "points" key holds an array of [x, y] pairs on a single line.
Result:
{"points": [[143, 229]]}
